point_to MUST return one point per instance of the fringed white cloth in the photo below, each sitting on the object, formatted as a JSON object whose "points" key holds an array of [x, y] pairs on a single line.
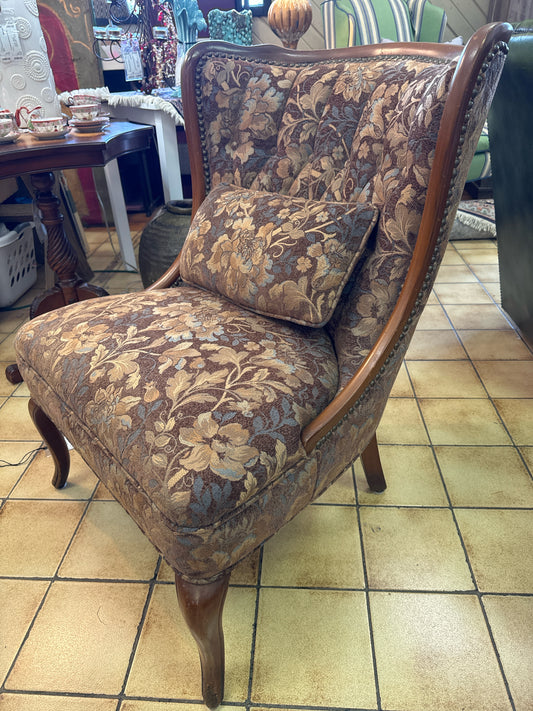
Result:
{"points": [[143, 101]]}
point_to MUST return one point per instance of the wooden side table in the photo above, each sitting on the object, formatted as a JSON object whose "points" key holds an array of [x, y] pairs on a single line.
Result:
{"points": [[40, 158]]}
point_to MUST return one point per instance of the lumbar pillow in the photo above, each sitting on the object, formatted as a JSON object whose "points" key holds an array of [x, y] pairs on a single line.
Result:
{"points": [[280, 256]]}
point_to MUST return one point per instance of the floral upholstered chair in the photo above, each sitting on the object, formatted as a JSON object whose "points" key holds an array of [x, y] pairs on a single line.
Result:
{"points": [[325, 184]]}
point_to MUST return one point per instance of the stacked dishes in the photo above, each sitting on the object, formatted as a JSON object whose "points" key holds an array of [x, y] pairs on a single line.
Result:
{"points": [[88, 118]]}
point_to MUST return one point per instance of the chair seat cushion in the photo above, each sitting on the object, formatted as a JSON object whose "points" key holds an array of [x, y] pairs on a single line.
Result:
{"points": [[197, 402]]}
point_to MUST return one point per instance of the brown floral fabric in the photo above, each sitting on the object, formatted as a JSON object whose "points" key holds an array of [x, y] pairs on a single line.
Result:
{"points": [[288, 258], [200, 402]]}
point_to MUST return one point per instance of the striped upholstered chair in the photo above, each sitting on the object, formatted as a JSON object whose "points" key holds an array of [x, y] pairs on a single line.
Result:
{"points": [[349, 23]]}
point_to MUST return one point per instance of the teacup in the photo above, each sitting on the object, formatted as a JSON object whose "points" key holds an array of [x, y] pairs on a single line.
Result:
{"points": [[85, 112], [83, 99], [7, 126], [52, 124]]}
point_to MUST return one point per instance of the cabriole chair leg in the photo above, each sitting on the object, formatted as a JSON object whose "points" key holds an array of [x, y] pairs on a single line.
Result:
{"points": [[202, 607], [371, 462], [55, 442]]}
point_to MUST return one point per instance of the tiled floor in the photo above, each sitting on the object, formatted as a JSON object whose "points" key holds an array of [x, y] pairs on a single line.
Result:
{"points": [[418, 599]]}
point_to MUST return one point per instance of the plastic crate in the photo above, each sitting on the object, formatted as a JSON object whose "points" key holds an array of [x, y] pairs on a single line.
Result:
{"points": [[18, 268]]}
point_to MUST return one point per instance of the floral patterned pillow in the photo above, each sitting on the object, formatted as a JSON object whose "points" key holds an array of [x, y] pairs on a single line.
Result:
{"points": [[280, 256]]}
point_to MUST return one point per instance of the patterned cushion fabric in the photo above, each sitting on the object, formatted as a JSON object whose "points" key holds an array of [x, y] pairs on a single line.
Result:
{"points": [[284, 257], [197, 402]]}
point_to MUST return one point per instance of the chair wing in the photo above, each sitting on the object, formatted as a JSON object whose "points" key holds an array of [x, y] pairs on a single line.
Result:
{"points": [[325, 185]]}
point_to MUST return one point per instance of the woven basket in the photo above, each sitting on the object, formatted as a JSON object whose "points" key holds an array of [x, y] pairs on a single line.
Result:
{"points": [[162, 239]]}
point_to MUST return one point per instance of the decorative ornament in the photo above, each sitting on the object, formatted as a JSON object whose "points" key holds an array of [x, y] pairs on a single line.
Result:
{"points": [[289, 20]]}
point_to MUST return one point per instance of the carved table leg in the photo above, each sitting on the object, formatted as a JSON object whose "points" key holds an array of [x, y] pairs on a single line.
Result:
{"points": [[371, 462], [61, 258], [60, 254]]}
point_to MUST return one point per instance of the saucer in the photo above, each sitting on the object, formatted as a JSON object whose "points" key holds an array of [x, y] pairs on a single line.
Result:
{"points": [[10, 138], [93, 126], [50, 135]]}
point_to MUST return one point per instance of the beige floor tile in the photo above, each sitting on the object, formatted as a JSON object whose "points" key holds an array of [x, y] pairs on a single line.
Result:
{"points": [[7, 348], [413, 549], [102, 493], [40, 702], [452, 257], [412, 478], [437, 378], [485, 476], [135, 705], [37, 480], [109, 545], [401, 423], [34, 535], [11, 320], [434, 652], [402, 385], [494, 345], [20, 601], [493, 287], [319, 548], [435, 345], [454, 274], [6, 388], [15, 421], [462, 421], [511, 621], [13, 452], [166, 663], [466, 245], [518, 417], [499, 544], [432, 299], [480, 256], [341, 492], [433, 317], [527, 453], [504, 378], [82, 639], [313, 647], [478, 316], [462, 294], [486, 272]]}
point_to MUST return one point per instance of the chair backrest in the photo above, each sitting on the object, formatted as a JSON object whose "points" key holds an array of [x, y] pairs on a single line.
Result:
{"points": [[348, 23], [395, 126]]}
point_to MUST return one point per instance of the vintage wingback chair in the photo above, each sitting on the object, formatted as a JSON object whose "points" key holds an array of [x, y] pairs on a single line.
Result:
{"points": [[325, 184]]}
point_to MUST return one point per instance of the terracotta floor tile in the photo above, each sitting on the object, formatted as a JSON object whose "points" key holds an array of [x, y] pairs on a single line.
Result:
{"points": [[15, 421], [109, 545], [318, 548], [31, 541], [454, 274], [37, 480], [485, 476], [413, 549], [412, 478], [518, 418], [401, 423], [462, 294], [433, 318], [91, 628], [499, 544], [40, 702], [313, 647], [20, 601], [435, 345], [436, 378], [13, 452], [433, 651], [166, 663], [511, 622], [477, 316], [458, 421], [494, 345], [504, 378]]}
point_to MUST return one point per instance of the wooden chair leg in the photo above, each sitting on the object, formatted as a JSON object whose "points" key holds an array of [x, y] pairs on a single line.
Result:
{"points": [[372, 466], [55, 442], [202, 607]]}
